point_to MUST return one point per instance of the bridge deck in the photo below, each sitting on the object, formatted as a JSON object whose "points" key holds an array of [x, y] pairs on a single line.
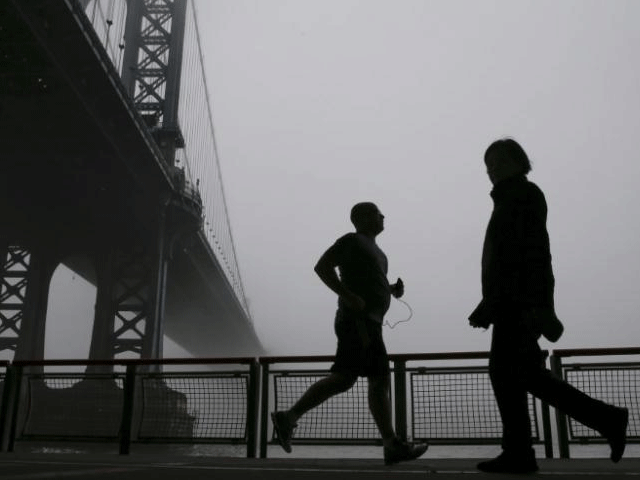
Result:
{"points": [[161, 467]]}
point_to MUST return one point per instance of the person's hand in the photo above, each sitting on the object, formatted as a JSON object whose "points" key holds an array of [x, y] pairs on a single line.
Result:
{"points": [[397, 289], [481, 317], [478, 325], [354, 302]]}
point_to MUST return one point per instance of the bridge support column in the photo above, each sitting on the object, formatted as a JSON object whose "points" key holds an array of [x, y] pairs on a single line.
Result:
{"points": [[102, 345], [41, 265], [154, 332], [14, 268], [130, 300]]}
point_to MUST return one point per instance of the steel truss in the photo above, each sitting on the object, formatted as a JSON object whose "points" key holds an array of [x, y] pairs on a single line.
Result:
{"points": [[152, 66], [14, 270]]}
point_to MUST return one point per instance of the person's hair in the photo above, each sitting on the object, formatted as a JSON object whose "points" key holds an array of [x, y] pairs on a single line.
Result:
{"points": [[508, 147], [360, 211]]}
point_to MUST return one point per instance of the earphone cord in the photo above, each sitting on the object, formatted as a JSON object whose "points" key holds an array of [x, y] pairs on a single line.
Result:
{"points": [[401, 321]]}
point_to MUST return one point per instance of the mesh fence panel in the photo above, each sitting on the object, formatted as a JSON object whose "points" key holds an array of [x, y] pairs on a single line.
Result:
{"points": [[454, 404], [345, 417], [73, 405], [194, 406], [616, 384]]}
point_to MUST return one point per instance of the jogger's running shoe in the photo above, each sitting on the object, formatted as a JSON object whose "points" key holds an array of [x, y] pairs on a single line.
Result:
{"points": [[284, 429]]}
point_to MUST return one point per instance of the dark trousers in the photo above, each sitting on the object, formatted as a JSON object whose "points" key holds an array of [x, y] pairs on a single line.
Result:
{"points": [[516, 366]]}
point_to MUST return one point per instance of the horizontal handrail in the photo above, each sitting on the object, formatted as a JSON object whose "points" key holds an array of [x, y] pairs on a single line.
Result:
{"points": [[438, 356], [473, 355], [143, 361], [296, 359], [403, 357], [594, 352]]}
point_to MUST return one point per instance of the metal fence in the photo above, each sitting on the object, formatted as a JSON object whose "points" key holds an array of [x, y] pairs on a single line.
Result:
{"points": [[130, 401], [433, 399], [457, 405], [445, 398], [343, 419]]}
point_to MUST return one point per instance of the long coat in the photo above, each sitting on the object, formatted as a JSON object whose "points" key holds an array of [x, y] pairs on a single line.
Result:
{"points": [[516, 256]]}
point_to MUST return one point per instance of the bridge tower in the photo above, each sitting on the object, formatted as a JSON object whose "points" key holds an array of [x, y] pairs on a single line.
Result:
{"points": [[132, 281], [130, 266]]}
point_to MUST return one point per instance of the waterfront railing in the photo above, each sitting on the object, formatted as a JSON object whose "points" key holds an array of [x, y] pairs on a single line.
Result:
{"points": [[443, 398], [132, 401]]}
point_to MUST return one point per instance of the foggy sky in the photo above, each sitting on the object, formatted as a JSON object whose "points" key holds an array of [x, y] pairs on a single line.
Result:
{"points": [[319, 104]]}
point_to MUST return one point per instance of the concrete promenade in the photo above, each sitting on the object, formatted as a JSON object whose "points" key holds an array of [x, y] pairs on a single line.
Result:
{"points": [[24, 466]]}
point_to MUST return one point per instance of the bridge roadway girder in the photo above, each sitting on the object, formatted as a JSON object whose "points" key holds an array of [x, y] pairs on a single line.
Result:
{"points": [[79, 168]]}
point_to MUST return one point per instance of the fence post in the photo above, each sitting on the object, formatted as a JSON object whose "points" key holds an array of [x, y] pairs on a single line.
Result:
{"points": [[264, 418], [14, 405], [4, 406], [253, 408], [400, 393], [7, 401], [127, 409], [561, 418], [546, 430]]}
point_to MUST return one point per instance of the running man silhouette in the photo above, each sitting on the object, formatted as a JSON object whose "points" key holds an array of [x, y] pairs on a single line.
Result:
{"points": [[364, 294], [517, 298]]}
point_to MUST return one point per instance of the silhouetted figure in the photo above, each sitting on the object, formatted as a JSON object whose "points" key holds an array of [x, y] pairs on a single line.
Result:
{"points": [[364, 294], [517, 298]]}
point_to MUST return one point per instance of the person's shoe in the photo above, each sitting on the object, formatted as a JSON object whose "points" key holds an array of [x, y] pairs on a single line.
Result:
{"points": [[401, 451], [617, 436], [284, 429], [510, 463]]}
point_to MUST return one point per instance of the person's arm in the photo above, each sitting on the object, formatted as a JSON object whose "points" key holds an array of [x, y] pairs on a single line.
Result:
{"points": [[537, 275], [526, 255], [326, 270]]}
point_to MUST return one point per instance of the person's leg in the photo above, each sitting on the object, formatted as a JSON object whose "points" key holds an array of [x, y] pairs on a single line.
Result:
{"points": [[344, 374], [378, 375], [511, 397], [511, 355], [508, 358], [395, 449], [380, 406], [319, 392], [608, 420], [284, 421]]}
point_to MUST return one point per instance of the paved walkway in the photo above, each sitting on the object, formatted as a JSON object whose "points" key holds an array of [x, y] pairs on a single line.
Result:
{"points": [[157, 467]]}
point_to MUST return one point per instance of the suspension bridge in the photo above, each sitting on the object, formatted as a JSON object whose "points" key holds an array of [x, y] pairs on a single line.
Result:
{"points": [[110, 167]]}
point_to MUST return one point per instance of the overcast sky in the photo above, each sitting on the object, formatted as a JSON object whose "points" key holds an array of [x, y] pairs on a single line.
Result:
{"points": [[319, 104]]}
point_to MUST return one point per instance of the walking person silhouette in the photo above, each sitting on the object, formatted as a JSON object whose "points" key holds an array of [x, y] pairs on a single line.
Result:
{"points": [[517, 299], [364, 294]]}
